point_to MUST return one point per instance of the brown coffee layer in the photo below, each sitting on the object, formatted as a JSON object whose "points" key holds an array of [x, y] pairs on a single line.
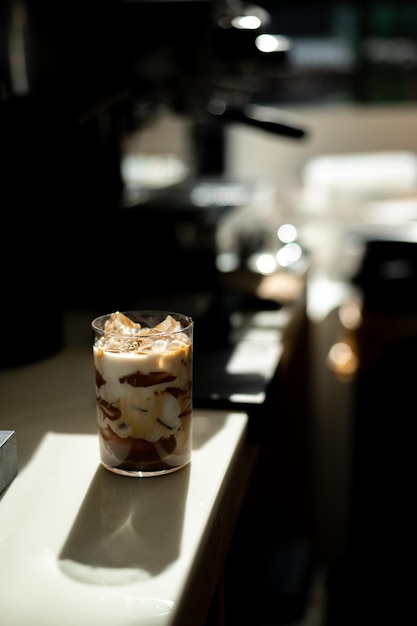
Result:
{"points": [[130, 454]]}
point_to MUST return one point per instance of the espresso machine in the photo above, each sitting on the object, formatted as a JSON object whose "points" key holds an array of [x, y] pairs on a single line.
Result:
{"points": [[74, 85]]}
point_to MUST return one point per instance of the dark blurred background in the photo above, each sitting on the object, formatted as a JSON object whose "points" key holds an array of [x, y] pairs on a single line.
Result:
{"points": [[75, 80]]}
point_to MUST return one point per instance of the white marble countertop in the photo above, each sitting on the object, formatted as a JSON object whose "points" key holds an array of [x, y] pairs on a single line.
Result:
{"points": [[79, 545]]}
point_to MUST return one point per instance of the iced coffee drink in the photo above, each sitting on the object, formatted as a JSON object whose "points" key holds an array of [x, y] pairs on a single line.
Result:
{"points": [[143, 370]]}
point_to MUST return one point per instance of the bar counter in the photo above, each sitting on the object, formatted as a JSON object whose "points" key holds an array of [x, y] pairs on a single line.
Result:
{"points": [[80, 545]]}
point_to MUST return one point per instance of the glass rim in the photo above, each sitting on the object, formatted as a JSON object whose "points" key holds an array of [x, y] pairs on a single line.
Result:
{"points": [[161, 314]]}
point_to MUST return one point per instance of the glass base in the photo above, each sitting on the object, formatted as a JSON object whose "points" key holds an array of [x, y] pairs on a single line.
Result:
{"points": [[143, 473]]}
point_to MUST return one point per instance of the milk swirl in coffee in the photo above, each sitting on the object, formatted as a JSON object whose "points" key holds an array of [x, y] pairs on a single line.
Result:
{"points": [[144, 393]]}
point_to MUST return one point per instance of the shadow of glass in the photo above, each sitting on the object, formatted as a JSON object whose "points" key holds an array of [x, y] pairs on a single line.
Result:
{"points": [[127, 529]]}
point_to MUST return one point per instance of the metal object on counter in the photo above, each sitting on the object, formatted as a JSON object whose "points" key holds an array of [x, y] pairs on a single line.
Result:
{"points": [[8, 458]]}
